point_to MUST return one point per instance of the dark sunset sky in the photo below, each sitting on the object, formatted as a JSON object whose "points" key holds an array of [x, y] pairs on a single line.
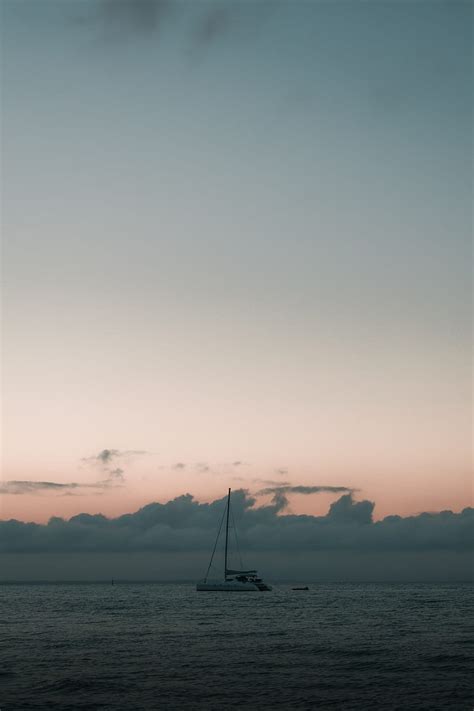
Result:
{"points": [[236, 252]]}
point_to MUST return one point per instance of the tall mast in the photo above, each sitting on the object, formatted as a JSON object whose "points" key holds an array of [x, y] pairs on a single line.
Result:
{"points": [[226, 535]]}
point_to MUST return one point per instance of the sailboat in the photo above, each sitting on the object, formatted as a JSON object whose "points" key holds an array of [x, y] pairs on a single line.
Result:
{"points": [[234, 580]]}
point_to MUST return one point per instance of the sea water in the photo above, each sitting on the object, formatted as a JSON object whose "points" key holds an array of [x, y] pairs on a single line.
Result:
{"points": [[157, 646]]}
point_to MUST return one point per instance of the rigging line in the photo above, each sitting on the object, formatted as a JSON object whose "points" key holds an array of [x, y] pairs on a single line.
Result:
{"points": [[236, 539], [215, 545]]}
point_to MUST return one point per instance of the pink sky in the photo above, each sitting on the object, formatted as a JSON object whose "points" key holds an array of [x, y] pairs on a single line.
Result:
{"points": [[266, 259], [146, 480]]}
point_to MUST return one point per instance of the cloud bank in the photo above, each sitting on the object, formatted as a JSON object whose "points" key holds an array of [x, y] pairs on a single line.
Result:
{"points": [[184, 525]]}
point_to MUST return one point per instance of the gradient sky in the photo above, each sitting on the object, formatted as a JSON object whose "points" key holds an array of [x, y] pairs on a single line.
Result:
{"points": [[236, 238]]}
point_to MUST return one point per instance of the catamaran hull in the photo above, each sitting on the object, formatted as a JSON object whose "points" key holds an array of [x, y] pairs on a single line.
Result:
{"points": [[232, 580], [232, 587]]}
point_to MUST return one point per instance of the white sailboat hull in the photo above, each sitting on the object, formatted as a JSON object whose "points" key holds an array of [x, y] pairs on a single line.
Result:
{"points": [[231, 586]]}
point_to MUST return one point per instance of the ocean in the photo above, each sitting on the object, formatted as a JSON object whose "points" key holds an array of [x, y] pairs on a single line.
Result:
{"points": [[164, 646]]}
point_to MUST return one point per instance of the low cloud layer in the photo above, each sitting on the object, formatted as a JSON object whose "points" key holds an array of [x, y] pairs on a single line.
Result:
{"points": [[103, 461], [19, 487], [184, 525], [283, 488]]}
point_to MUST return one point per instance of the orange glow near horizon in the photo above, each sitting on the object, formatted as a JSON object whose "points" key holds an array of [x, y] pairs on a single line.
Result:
{"points": [[406, 497]]}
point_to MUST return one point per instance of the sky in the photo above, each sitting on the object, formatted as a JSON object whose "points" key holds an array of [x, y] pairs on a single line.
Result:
{"points": [[236, 251]]}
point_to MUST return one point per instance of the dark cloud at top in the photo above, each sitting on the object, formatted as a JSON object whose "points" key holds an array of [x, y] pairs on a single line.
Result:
{"points": [[214, 23], [219, 17], [136, 16], [184, 525], [202, 22]]}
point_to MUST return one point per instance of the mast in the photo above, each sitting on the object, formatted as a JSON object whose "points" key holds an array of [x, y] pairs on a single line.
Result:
{"points": [[226, 535]]}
